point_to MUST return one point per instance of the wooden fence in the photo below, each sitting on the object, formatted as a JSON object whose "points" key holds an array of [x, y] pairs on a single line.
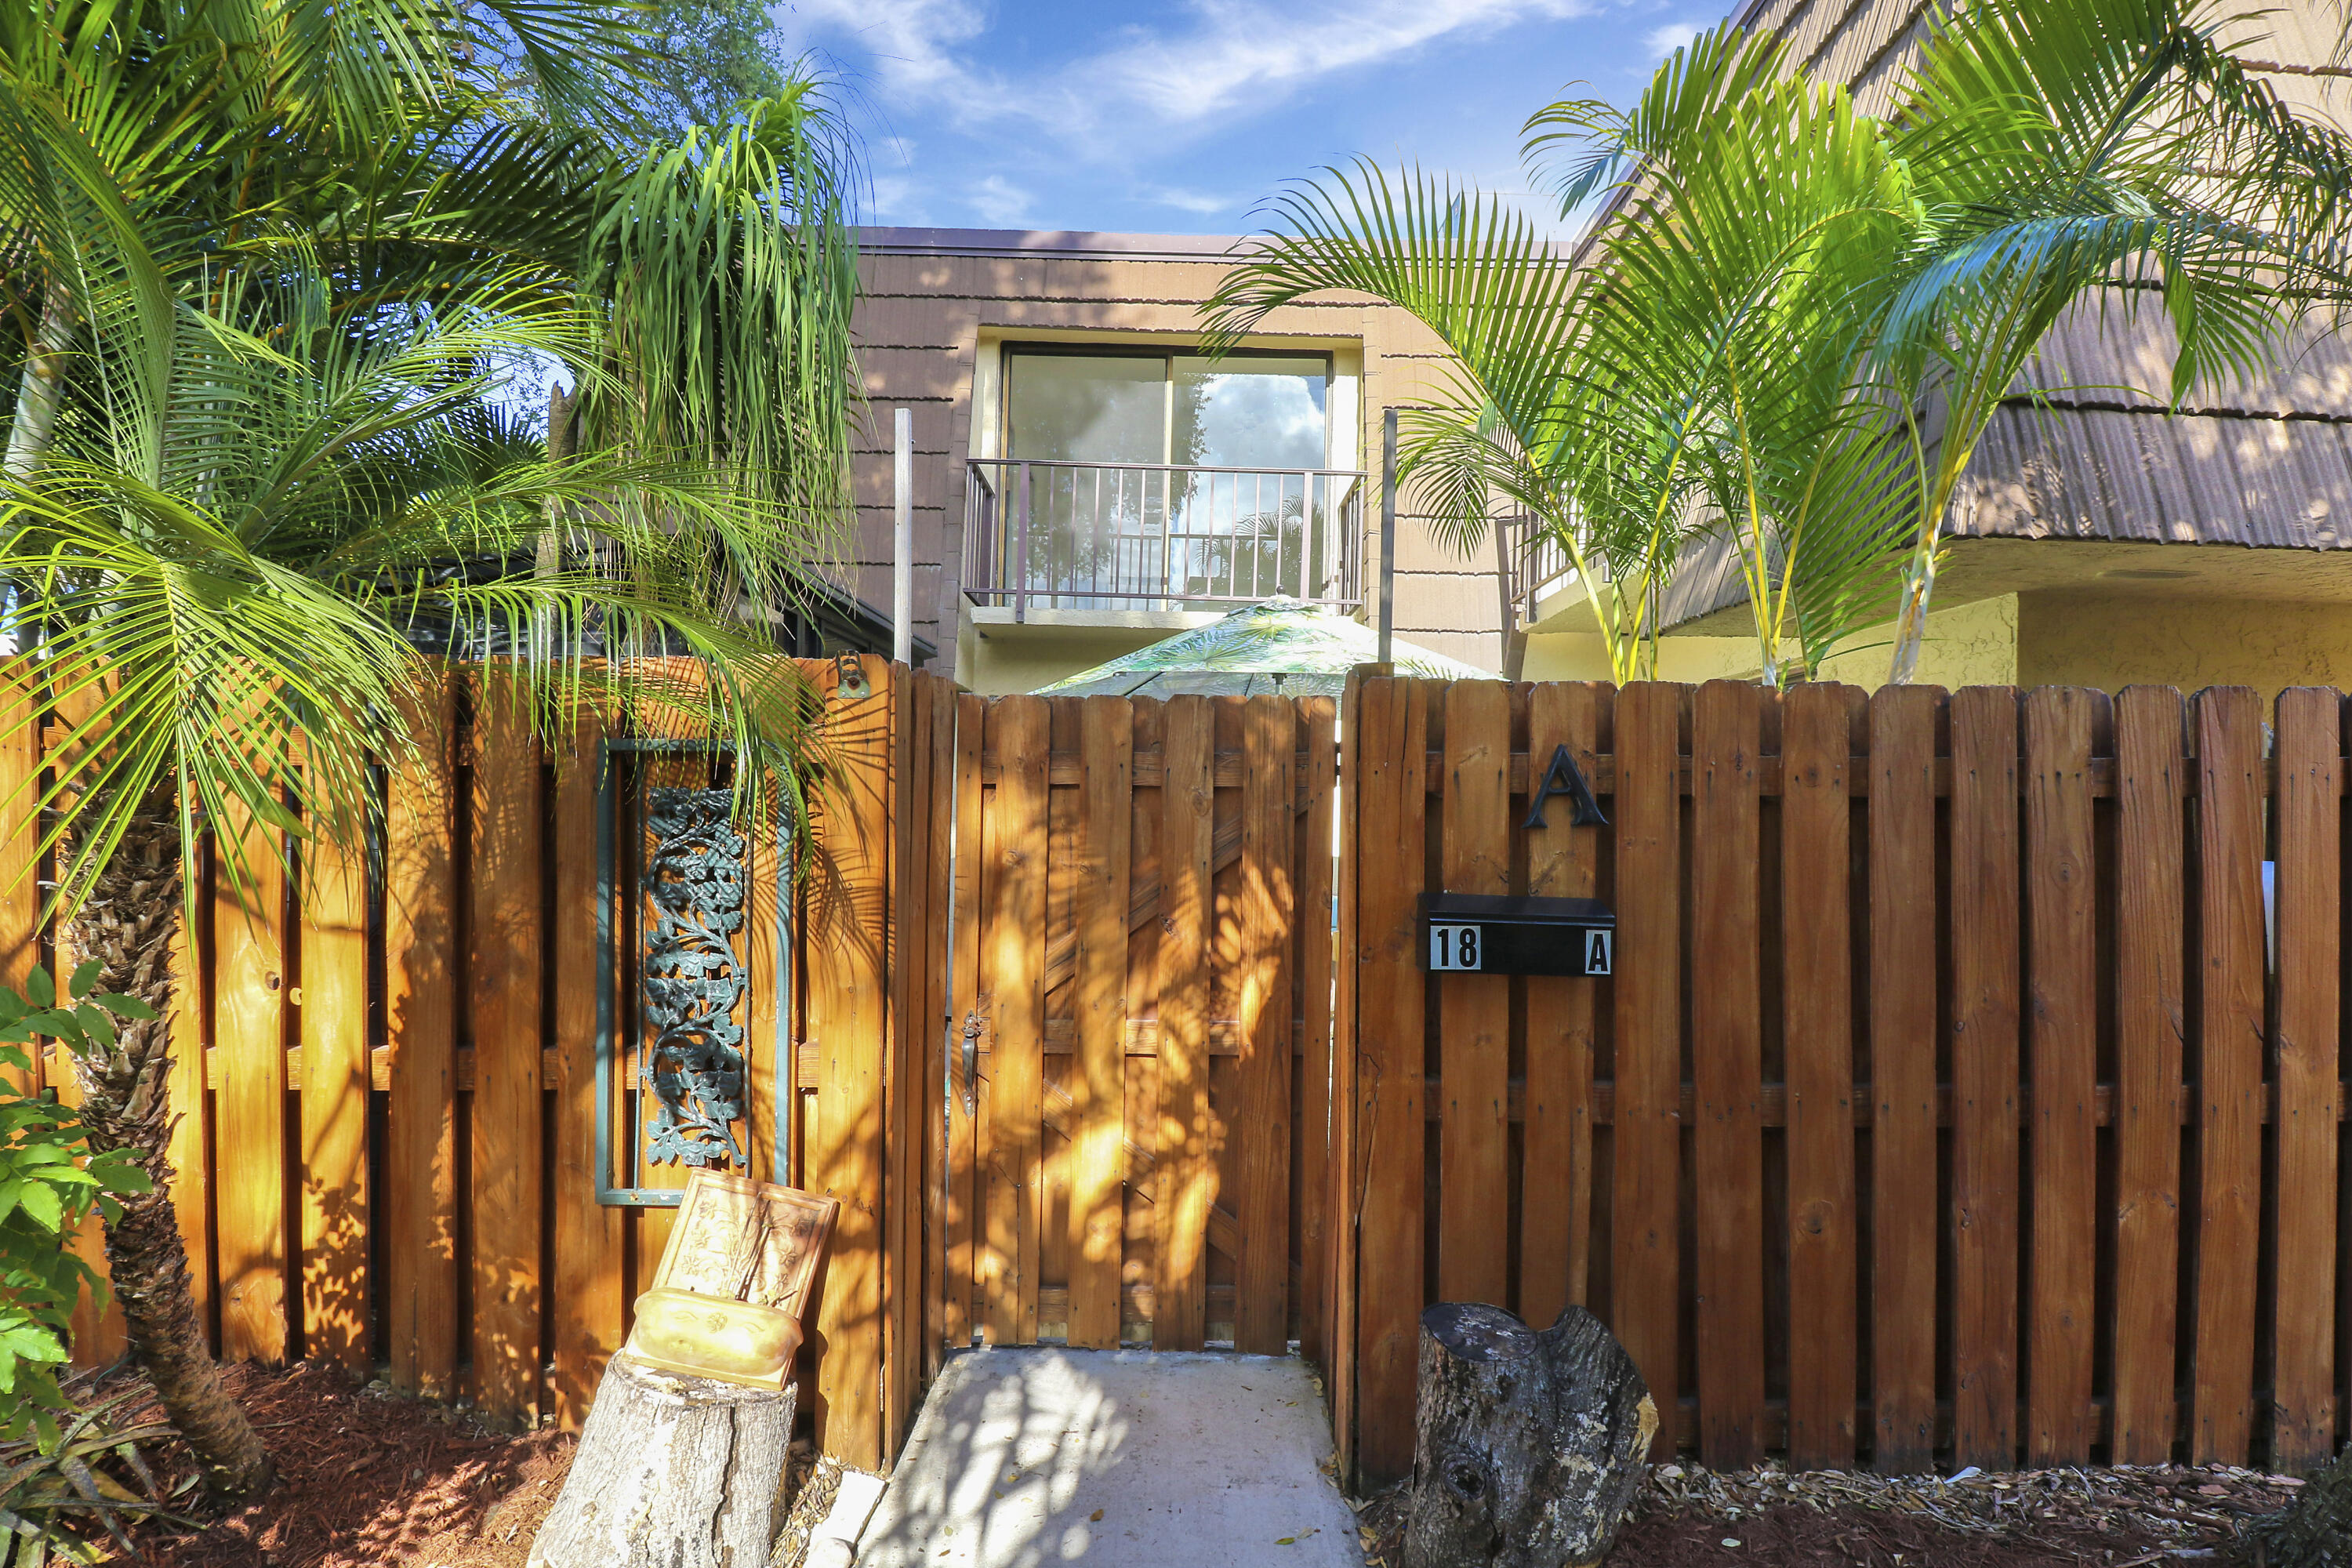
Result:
{"points": [[386, 1075], [1949, 1098], [1140, 1023]]}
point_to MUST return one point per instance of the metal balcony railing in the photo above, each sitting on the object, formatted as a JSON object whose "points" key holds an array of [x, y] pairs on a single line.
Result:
{"points": [[1043, 535], [1539, 564]]}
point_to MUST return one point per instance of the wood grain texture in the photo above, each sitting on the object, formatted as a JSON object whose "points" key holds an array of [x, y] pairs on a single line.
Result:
{"points": [[1186, 1186], [2061, 1048], [2308, 817], [333, 1105], [1390, 869], [1556, 1171], [937, 960], [502, 978], [902, 1140], [848, 958], [1012, 974], [1318, 720], [250, 1104], [192, 1100], [585, 1303], [2152, 768], [1341, 1175], [1727, 1067], [21, 712], [1817, 992], [1259, 1131], [1473, 1011], [421, 1259], [1905, 1213], [1645, 1266], [2228, 1069], [1985, 1075], [964, 1188], [1098, 1087]]}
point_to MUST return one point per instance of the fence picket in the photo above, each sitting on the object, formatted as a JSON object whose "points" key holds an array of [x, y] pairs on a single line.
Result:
{"points": [[502, 980], [2151, 1021], [2062, 1047], [1393, 752], [1645, 1232], [1312, 1003], [964, 1188], [1816, 892], [1905, 1214], [249, 1093], [848, 976], [2228, 1069], [1098, 1119], [333, 1013], [2308, 817], [1187, 1176], [584, 1302], [1984, 1046], [1474, 1010], [935, 846], [1014, 974], [1556, 1171], [1727, 1053], [1259, 1129], [421, 1262]]}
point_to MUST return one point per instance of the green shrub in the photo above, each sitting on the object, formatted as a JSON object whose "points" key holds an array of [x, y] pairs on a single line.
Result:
{"points": [[49, 1183], [57, 1490]]}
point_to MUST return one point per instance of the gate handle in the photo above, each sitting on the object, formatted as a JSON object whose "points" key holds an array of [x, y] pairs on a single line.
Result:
{"points": [[972, 1027]]}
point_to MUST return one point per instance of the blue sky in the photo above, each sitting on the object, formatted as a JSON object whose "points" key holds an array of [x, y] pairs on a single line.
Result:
{"points": [[1179, 118]]}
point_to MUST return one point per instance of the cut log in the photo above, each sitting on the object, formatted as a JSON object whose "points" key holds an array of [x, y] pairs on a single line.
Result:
{"points": [[2316, 1533], [1528, 1447], [672, 1472]]}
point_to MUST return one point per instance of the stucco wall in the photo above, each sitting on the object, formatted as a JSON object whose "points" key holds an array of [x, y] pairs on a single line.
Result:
{"points": [[2114, 640], [1974, 644]]}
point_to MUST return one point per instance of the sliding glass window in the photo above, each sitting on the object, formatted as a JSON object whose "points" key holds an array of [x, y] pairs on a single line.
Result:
{"points": [[1169, 480]]}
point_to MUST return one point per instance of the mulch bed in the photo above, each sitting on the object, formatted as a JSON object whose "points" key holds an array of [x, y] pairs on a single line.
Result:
{"points": [[369, 1480], [2116, 1518]]}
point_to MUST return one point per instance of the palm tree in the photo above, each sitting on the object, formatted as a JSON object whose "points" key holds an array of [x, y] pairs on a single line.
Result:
{"points": [[271, 260], [1794, 320]]}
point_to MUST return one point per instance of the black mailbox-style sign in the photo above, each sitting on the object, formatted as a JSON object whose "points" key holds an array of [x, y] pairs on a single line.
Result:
{"points": [[1482, 933]]}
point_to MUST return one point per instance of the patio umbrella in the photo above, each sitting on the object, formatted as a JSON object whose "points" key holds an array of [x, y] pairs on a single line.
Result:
{"points": [[1279, 647]]}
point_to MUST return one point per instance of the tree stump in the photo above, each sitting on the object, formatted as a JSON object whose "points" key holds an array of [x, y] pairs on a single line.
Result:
{"points": [[1528, 1447], [672, 1472], [2316, 1533]]}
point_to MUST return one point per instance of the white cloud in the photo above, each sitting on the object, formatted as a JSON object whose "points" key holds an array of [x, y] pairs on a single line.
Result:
{"points": [[1244, 56], [1663, 41], [1001, 202], [913, 42], [1232, 60], [1200, 201]]}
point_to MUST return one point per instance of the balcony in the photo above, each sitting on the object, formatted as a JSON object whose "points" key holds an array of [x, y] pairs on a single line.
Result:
{"points": [[1158, 537]]}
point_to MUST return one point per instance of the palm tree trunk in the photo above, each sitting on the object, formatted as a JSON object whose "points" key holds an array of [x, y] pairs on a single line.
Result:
{"points": [[126, 923], [1911, 619], [43, 389]]}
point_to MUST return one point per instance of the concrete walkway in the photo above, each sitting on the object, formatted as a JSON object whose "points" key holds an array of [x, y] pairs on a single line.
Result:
{"points": [[1026, 1457]]}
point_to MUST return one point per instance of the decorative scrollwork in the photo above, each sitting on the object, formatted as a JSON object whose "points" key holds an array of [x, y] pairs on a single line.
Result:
{"points": [[693, 980]]}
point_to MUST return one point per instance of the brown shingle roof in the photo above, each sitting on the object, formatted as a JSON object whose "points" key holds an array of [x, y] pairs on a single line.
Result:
{"points": [[2266, 464]]}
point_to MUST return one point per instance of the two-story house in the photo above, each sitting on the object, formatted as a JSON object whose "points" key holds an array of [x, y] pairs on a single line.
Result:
{"points": [[1086, 483]]}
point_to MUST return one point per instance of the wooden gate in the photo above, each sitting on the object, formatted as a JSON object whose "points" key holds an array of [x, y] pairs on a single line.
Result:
{"points": [[1949, 1099], [1137, 1053]]}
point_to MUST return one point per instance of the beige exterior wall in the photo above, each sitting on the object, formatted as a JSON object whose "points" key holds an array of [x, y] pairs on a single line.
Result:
{"points": [[937, 305], [1973, 644], [2114, 640]]}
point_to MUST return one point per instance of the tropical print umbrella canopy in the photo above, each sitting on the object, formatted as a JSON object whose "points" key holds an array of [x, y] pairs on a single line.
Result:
{"points": [[1277, 646]]}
